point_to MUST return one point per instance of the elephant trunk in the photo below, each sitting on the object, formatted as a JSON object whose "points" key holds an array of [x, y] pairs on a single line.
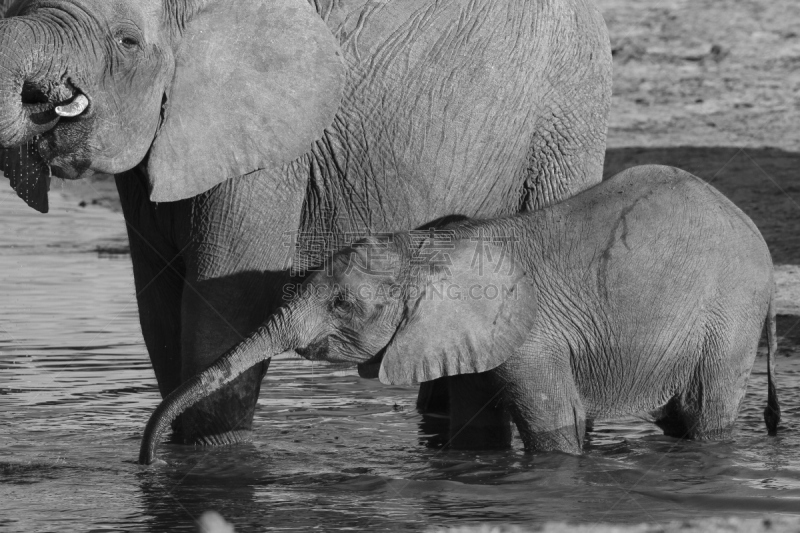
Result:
{"points": [[30, 89], [271, 338]]}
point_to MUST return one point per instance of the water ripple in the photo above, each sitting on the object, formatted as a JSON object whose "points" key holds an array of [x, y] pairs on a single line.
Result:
{"points": [[328, 449]]}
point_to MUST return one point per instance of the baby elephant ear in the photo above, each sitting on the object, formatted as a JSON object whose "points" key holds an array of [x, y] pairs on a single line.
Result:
{"points": [[256, 82], [471, 310]]}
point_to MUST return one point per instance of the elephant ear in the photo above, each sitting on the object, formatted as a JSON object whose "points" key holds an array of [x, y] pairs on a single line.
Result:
{"points": [[471, 310], [256, 82]]}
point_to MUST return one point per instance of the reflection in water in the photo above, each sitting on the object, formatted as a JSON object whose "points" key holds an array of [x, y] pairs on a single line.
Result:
{"points": [[328, 449]]}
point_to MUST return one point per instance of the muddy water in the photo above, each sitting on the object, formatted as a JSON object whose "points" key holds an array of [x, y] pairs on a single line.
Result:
{"points": [[330, 451]]}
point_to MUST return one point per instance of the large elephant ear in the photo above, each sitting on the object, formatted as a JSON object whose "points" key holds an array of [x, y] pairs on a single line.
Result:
{"points": [[256, 82], [472, 310]]}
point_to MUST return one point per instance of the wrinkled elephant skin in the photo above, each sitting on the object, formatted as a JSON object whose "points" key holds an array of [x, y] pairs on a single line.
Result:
{"points": [[251, 138], [645, 295]]}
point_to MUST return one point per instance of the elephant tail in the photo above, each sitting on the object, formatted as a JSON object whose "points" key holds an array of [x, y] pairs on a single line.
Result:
{"points": [[772, 412], [243, 356]]}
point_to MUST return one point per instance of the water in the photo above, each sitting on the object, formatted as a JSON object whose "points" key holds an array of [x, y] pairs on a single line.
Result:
{"points": [[330, 451]]}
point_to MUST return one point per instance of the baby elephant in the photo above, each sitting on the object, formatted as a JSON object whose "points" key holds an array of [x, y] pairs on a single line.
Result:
{"points": [[643, 295]]}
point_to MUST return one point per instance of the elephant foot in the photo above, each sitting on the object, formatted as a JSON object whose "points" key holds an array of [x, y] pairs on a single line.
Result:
{"points": [[681, 422], [567, 439], [692, 430]]}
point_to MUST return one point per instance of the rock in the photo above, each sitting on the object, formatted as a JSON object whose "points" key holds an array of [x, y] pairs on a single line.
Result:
{"points": [[212, 522]]}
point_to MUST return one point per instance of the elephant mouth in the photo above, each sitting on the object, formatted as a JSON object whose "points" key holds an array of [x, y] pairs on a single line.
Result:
{"points": [[316, 351], [370, 369], [44, 107], [27, 165]]}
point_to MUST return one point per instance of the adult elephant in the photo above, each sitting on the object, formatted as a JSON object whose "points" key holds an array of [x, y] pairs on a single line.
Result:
{"points": [[233, 126]]}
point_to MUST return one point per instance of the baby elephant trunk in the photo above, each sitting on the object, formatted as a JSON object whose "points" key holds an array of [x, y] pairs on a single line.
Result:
{"points": [[268, 340]]}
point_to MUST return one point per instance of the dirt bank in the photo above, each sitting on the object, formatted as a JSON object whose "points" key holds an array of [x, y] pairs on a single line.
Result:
{"points": [[705, 73], [713, 87]]}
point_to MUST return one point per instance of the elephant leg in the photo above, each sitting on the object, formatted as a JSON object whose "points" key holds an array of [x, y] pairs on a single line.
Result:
{"points": [[433, 405], [684, 418], [434, 396], [158, 271], [239, 247], [465, 412], [543, 399], [478, 417], [215, 319], [708, 406]]}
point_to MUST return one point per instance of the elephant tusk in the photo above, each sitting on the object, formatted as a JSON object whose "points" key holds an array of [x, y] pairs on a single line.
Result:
{"points": [[75, 108]]}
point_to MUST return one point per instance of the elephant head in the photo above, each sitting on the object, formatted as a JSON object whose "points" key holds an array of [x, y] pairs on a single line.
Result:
{"points": [[198, 91], [419, 306]]}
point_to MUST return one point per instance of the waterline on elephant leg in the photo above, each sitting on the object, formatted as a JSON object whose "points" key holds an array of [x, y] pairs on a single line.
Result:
{"points": [[225, 417], [222, 438], [434, 429], [235, 436], [204, 429]]}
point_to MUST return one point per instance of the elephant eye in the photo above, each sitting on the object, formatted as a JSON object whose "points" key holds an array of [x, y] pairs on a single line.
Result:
{"points": [[128, 42], [341, 305], [127, 38]]}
